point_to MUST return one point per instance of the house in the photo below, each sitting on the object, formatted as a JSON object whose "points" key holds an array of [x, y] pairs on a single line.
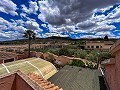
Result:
{"points": [[98, 45], [112, 67]]}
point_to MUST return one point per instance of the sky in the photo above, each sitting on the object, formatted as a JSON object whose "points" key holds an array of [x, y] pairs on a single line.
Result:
{"points": [[65, 18]]}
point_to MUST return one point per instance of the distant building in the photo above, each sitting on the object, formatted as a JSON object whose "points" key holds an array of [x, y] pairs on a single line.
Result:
{"points": [[98, 45], [112, 67]]}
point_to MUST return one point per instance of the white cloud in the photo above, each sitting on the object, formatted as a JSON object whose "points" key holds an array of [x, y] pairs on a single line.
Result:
{"points": [[23, 15], [33, 8], [33, 26], [8, 7], [25, 9], [15, 29], [46, 10], [102, 34], [44, 25], [42, 17], [54, 34], [115, 13]]}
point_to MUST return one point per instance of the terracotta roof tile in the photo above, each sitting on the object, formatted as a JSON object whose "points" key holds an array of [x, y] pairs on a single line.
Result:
{"points": [[46, 85]]}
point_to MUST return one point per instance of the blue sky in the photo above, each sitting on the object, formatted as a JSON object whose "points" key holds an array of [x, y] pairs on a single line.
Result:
{"points": [[65, 18]]}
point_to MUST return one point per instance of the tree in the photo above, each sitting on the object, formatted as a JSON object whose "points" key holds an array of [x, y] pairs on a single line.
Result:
{"points": [[63, 51], [106, 38], [29, 34], [51, 59], [77, 63], [80, 54]]}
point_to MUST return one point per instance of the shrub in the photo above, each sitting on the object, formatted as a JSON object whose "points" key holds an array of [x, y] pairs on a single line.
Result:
{"points": [[91, 57], [80, 54], [51, 59], [63, 51], [91, 66], [77, 63]]}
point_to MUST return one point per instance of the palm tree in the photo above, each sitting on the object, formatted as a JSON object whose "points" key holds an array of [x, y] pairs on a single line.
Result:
{"points": [[29, 34]]}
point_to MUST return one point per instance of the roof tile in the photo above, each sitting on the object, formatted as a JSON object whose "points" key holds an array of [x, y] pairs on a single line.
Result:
{"points": [[46, 85]]}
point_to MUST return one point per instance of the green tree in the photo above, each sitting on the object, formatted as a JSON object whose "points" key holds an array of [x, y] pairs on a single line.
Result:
{"points": [[106, 38], [63, 51], [29, 34], [51, 59], [80, 54], [77, 63]]}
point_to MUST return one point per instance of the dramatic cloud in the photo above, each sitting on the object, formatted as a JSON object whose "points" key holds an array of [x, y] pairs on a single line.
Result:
{"points": [[76, 10], [8, 7], [74, 18], [67, 15]]}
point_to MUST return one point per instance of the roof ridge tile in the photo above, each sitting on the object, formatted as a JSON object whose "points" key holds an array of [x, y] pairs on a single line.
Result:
{"points": [[46, 85]]}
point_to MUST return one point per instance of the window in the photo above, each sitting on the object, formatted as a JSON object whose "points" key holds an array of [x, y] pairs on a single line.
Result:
{"points": [[97, 46], [92, 46], [88, 46], [8, 60], [100, 46]]}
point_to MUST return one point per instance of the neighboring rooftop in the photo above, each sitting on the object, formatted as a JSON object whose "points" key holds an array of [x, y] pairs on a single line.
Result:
{"points": [[6, 55], [76, 78], [29, 65], [21, 81], [46, 85]]}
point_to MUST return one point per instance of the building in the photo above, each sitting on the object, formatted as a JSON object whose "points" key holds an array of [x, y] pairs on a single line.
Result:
{"points": [[112, 67], [77, 78], [98, 45]]}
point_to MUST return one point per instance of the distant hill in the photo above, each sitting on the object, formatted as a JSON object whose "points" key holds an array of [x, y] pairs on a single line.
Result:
{"points": [[52, 39], [56, 37]]}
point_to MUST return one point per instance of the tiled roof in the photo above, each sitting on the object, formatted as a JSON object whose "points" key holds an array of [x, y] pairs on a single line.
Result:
{"points": [[76, 78], [46, 85]]}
